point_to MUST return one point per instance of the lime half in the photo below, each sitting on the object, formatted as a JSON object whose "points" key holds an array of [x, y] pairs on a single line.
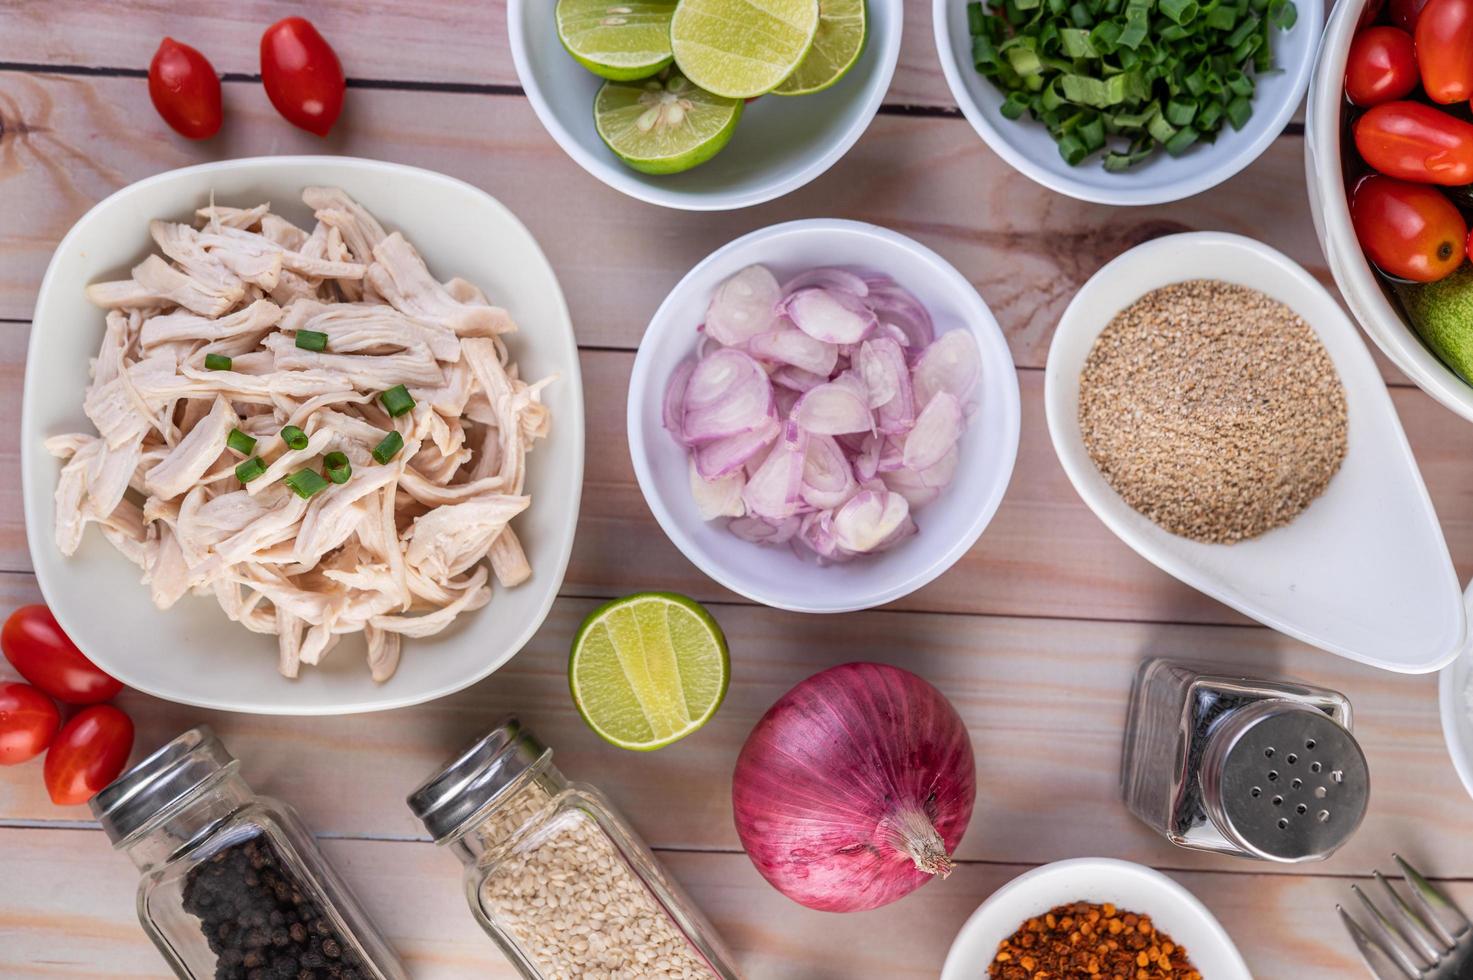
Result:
{"points": [[621, 41], [842, 27], [648, 669], [742, 48], [663, 126]]}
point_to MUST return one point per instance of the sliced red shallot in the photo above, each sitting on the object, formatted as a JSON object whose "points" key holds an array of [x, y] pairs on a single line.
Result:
{"points": [[908, 484], [827, 278], [895, 305], [797, 379], [673, 409], [936, 430], [830, 315], [721, 497], [775, 488], [868, 519], [831, 409], [760, 531], [723, 456], [728, 394], [744, 306], [787, 345], [952, 364], [881, 364], [828, 479]]}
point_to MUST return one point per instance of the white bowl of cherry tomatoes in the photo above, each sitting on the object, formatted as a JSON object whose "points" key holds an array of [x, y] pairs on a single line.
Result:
{"points": [[1389, 161]]}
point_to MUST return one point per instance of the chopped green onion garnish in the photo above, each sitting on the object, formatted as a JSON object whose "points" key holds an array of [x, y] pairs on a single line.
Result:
{"points": [[311, 340], [397, 400], [294, 437], [389, 447], [217, 362], [338, 467], [240, 442], [306, 483], [250, 469]]}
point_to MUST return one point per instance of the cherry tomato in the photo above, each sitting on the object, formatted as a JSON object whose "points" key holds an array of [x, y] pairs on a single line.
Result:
{"points": [[1404, 13], [28, 720], [1408, 230], [1416, 142], [45, 656], [302, 75], [1382, 66], [185, 90], [1445, 50], [89, 752]]}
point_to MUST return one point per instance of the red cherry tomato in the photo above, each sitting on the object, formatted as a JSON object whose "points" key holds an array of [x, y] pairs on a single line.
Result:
{"points": [[1412, 141], [1408, 230], [302, 75], [45, 656], [1470, 244], [185, 90], [1382, 66], [1445, 50], [1404, 13], [89, 752], [28, 720]]}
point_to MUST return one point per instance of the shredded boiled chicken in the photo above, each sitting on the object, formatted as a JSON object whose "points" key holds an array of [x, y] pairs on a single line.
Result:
{"points": [[400, 549]]}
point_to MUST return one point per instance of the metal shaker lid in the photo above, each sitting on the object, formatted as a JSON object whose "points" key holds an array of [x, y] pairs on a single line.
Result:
{"points": [[450, 799], [1284, 781], [135, 798]]}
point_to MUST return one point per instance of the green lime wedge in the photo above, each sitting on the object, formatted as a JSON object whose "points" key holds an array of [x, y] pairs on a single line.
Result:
{"points": [[663, 126], [648, 669], [622, 41], [842, 28], [742, 48]]}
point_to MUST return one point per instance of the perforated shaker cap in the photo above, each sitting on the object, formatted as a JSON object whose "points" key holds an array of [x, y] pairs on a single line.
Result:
{"points": [[136, 798], [449, 800], [1285, 781]]}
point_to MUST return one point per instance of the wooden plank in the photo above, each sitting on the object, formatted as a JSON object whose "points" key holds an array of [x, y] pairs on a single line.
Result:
{"points": [[70, 141], [1044, 701], [457, 42], [69, 908], [1045, 553]]}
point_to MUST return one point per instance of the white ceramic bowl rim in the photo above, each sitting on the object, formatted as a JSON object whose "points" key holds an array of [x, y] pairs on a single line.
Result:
{"points": [[551, 571], [627, 182]]}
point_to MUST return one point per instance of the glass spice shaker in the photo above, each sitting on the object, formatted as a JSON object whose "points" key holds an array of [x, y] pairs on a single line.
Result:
{"points": [[233, 884], [555, 875], [1265, 769]]}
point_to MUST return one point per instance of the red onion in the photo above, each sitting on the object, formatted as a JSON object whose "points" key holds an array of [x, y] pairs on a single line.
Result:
{"points": [[855, 788]]}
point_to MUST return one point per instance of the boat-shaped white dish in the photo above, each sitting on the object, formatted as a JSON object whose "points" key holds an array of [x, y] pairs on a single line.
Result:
{"points": [[1364, 571]]}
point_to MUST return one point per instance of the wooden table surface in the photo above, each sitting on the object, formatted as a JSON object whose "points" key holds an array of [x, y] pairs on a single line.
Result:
{"points": [[1034, 635]]}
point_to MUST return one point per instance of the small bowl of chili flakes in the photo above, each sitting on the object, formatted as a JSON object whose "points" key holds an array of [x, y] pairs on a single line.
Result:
{"points": [[1132, 923]]}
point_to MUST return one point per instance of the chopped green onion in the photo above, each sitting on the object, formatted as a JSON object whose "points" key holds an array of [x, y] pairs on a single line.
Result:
{"points": [[294, 437], [217, 362], [240, 442], [338, 467], [305, 483], [397, 400], [311, 340], [389, 447], [1182, 12], [250, 469], [1238, 112]]}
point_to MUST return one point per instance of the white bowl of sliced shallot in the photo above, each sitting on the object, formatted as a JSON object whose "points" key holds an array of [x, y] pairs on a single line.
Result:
{"points": [[823, 415]]}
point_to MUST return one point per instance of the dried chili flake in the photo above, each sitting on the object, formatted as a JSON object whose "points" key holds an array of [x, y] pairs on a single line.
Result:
{"points": [[1090, 940]]}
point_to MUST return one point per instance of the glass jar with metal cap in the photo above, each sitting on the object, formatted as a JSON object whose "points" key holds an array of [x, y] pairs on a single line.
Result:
{"points": [[1262, 768], [555, 875], [233, 884]]}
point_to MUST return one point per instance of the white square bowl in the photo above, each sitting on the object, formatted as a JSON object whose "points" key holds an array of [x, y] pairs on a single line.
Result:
{"points": [[192, 653]]}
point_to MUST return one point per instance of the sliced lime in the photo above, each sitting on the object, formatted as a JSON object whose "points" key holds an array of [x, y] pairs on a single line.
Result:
{"points": [[622, 41], [648, 669], [842, 27], [663, 126], [742, 48]]}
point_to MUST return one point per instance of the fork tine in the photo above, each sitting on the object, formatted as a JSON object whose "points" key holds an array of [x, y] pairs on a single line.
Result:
{"points": [[1409, 925], [1432, 901], [1381, 930], [1364, 944]]}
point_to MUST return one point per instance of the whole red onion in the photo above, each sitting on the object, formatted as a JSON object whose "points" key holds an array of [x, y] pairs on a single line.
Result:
{"points": [[855, 788]]}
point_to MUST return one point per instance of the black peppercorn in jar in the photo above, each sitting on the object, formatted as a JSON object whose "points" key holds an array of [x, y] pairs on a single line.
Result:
{"points": [[234, 887]]}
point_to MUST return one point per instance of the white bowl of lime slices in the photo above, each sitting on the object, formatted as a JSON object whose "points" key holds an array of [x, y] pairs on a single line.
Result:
{"points": [[738, 152]]}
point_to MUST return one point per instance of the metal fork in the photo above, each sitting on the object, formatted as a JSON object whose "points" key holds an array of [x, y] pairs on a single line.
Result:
{"points": [[1422, 946]]}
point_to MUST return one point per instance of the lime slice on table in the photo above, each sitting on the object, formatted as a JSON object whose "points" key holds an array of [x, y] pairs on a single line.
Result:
{"points": [[618, 40], [742, 48], [842, 27], [648, 669], [663, 125]]}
